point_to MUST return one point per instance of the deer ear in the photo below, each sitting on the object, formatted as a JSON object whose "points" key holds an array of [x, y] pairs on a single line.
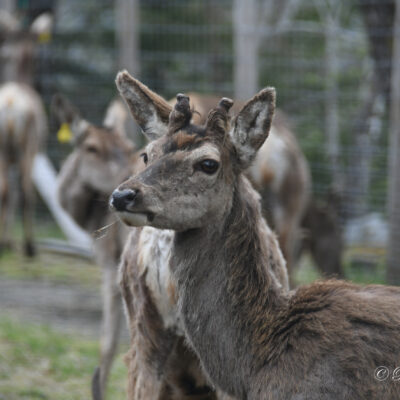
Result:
{"points": [[116, 116], [149, 110], [252, 125], [42, 26], [8, 23], [67, 114]]}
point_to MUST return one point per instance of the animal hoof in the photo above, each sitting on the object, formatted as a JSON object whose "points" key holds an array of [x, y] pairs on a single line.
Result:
{"points": [[29, 249], [96, 389]]}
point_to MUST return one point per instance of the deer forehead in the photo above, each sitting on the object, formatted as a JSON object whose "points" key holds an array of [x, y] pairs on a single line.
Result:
{"points": [[199, 149], [207, 150]]}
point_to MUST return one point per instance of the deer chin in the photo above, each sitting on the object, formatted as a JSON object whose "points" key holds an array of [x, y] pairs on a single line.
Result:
{"points": [[136, 218]]}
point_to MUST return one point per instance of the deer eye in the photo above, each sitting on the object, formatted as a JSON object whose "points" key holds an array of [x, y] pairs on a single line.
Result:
{"points": [[91, 149], [209, 166], [145, 157]]}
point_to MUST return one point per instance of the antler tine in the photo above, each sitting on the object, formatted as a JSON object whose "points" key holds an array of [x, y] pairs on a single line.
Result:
{"points": [[181, 114], [225, 103]]}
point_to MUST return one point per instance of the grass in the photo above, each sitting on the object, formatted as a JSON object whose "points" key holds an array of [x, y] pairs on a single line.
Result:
{"points": [[51, 267], [360, 265], [39, 363]]}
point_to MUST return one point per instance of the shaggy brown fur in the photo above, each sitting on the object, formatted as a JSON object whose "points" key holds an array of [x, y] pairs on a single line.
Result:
{"points": [[161, 366], [255, 339]]}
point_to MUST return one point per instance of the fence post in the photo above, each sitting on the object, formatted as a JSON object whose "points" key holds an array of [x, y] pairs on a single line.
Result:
{"points": [[245, 48], [393, 256], [127, 36], [126, 25], [7, 5]]}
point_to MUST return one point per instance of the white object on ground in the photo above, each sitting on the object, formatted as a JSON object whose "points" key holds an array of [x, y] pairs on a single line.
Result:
{"points": [[45, 179]]}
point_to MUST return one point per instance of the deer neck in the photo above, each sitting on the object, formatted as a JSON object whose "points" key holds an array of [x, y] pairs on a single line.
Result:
{"points": [[229, 295]]}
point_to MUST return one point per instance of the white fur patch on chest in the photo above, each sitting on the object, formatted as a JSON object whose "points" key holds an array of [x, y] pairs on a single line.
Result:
{"points": [[154, 254]]}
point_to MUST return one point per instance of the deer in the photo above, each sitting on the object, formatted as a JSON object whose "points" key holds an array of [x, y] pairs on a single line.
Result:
{"points": [[254, 338], [23, 120], [102, 157]]}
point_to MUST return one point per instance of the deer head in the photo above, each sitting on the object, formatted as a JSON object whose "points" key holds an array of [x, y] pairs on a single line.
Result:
{"points": [[17, 45], [101, 154], [191, 171]]}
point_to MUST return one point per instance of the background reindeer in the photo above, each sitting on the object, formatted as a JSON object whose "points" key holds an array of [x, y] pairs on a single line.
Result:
{"points": [[254, 339], [23, 122], [102, 157]]}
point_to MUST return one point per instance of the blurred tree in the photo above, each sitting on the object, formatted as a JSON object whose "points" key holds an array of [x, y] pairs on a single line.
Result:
{"points": [[378, 18], [253, 21], [393, 258], [330, 13], [126, 25], [8, 5], [378, 21]]}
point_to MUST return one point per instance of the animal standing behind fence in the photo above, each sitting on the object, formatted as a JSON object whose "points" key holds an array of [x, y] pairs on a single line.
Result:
{"points": [[255, 340], [102, 157], [23, 121]]}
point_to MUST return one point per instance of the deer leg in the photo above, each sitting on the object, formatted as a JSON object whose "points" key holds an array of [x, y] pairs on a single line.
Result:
{"points": [[288, 242], [27, 204], [4, 204], [112, 312]]}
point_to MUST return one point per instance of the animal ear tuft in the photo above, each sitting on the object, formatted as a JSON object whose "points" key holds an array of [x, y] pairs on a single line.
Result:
{"points": [[116, 116], [252, 125], [149, 110]]}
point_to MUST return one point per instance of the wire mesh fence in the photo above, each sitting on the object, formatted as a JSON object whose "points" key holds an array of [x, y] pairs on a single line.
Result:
{"points": [[329, 60]]}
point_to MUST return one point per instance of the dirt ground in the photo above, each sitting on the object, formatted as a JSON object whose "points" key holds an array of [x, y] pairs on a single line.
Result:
{"points": [[62, 292]]}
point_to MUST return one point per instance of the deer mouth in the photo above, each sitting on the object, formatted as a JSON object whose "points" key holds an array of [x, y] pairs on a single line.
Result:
{"points": [[135, 218], [127, 203]]}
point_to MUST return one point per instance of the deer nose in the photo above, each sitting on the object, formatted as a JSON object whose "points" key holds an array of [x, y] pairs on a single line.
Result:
{"points": [[121, 199]]}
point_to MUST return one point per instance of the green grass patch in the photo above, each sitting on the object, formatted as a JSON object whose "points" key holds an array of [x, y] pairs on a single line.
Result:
{"points": [[39, 363], [51, 267], [360, 265]]}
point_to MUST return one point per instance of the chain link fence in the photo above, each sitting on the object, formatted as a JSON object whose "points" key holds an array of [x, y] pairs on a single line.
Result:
{"points": [[329, 60]]}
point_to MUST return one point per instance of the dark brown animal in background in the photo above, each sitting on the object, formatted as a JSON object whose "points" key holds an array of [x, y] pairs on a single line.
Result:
{"points": [[102, 157], [322, 236], [23, 121], [254, 339]]}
